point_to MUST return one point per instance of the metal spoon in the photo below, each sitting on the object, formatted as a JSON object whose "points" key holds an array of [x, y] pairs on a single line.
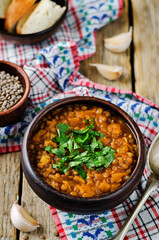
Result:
{"points": [[152, 184]]}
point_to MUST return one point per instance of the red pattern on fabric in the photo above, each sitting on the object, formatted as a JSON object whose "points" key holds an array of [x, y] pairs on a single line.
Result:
{"points": [[140, 229], [4, 149], [2, 51], [76, 19], [75, 59], [145, 171], [58, 224], [120, 7], [37, 47], [14, 148], [40, 98], [116, 217], [126, 238], [153, 209], [156, 195], [21, 55], [149, 129], [44, 65], [46, 78], [67, 31]]}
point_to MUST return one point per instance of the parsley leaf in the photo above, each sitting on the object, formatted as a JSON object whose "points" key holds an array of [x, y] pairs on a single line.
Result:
{"points": [[70, 145], [94, 144], [92, 124], [63, 127], [82, 138], [48, 149], [86, 129], [107, 150], [85, 121], [78, 147], [109, 159], [100, 144], [81, 172], [59, 151], [62, 137]]}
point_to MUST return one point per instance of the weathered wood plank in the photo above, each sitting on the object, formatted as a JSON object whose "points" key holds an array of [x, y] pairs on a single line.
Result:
{"points": [[146, 46], [40, 211], [104, 56], [9, 190], [10, 182]]}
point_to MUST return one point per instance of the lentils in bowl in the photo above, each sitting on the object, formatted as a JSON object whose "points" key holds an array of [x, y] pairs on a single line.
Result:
{"points": [[11, 90], [84, 151], [49, 167], [14, 91]]}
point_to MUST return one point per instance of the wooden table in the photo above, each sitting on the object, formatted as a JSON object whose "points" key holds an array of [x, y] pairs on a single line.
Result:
{"points": [[141, 74]]}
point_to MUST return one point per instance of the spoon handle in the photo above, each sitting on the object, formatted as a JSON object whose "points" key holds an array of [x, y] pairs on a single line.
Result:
{"points": [[151, 185]]}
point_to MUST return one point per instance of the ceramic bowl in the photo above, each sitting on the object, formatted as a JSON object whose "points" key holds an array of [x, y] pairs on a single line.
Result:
{"points": [[35, 37], [76, 204], [15, 113]]}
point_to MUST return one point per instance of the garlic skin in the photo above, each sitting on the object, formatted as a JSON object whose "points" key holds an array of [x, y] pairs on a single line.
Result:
{"points": [[119, 43], [22, 220], [109, 72]]}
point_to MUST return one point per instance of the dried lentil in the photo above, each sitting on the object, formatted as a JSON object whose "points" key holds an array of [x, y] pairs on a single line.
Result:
{"points": [[11, 90], [42, 237], [56, 233], [25, 237]]}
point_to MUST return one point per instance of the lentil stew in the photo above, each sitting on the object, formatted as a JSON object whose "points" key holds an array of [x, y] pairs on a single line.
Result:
{"points": [[84, 151]]}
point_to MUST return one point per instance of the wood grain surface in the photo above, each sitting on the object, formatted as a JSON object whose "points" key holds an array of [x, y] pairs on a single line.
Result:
{"points": [[140, 71], [40, 211], [146, 48], [9, 190]]}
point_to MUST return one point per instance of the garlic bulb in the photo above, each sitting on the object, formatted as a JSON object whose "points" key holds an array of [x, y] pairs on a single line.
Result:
{"points": [[119, 43], [22, 220], [109, 72]]}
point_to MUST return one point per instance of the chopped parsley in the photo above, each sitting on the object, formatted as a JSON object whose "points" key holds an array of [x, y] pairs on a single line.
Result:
{"points": [[78, 147]]}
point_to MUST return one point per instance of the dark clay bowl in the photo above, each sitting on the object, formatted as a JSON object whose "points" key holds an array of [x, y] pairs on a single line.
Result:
{"points": [[15, 113], [35, 37], [82, 205]]}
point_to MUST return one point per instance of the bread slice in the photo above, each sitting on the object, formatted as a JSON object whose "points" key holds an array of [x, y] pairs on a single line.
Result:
{"points": [[42, 17], [15, 10], [3, 7], [24, 18]]}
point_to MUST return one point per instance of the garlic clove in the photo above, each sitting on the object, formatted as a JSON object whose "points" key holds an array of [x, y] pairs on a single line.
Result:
{"points": [[108, 71], [119, 43], [22, 220]]}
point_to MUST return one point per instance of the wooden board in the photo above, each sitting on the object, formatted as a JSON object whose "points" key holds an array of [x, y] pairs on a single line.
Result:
{"points": [[40, 211], [37, 208], [146, 48], [146, 71], [104, 56], [9, 190]]}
